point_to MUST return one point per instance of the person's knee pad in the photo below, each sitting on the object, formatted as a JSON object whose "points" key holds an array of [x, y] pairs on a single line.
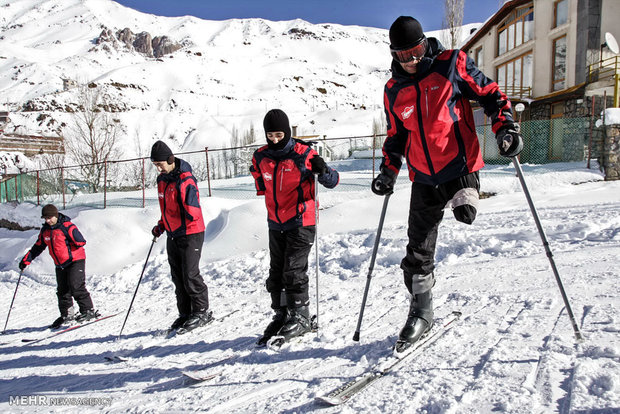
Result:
{"points": [[465, 205]]}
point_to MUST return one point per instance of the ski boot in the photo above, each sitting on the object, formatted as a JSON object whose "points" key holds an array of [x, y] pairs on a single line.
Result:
{"points": [[178, 322], [196, 320], [63, 319], [87, 315], [297, 324], [419, 320], [277, 322]]}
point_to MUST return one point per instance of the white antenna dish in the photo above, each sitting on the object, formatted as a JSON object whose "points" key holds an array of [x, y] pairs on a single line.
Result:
{"points": [[519, 107], [611, 43]]}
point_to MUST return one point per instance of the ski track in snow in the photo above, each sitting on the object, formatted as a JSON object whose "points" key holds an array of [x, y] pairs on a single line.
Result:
{"points": [[513, 351]]}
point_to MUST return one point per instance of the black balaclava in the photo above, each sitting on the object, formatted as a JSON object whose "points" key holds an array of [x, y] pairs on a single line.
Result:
{"points": [[276, 120]]}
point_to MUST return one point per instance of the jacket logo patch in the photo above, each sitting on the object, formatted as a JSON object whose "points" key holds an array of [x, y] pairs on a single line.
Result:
{"points": [[407, 112], [434, 88], [160, 195], [267, 176], [47, 239]]}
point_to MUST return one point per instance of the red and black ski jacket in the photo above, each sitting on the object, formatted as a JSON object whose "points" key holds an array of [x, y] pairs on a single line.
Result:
{"points": [[286, 180], [179, 201], [65, 242], [429, 118]]}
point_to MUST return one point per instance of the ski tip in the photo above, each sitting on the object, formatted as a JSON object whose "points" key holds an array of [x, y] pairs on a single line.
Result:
{"points": [[195, 376], [327, 400], [458, 314]]}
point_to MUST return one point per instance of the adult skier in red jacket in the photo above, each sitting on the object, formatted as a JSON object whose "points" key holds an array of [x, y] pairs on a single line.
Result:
{"points": [[66, 246], [430, 124], [283, 171], [181, 219]]}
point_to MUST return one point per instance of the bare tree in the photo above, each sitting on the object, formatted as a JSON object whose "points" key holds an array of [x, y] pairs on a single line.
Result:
{"points": [[452, 21], [91, 138]]}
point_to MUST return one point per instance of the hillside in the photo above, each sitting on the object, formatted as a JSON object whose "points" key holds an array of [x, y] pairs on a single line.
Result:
{"points": [[224, 75]]}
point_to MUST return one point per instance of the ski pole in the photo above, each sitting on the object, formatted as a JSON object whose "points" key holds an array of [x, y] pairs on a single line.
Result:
{"points": [[356, 335], [13, 300], [136, 291], [515, 161], [316, 245]]}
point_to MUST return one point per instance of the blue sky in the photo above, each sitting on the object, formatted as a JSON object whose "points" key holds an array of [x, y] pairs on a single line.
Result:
{"points": [[373, 13]]}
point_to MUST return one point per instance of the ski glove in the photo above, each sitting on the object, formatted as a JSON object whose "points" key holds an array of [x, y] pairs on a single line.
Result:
{"points": [[22, 265], [157, 231], [318, 165], [509, 140], [383, 184]]}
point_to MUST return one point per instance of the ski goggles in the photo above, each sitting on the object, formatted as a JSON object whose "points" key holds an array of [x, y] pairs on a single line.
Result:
{"points": [[409, 54]]}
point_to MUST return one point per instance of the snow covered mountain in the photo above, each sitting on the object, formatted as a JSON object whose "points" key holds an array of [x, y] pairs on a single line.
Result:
{"points": [[225, 74]]}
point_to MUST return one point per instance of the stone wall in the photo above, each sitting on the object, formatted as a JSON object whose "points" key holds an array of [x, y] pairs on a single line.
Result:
{"points": [[611, 153]]}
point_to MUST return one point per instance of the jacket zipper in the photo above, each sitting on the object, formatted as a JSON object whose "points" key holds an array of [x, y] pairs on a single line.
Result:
{"points": [[52, 251], [426, 96], [275, 188], [422, 134], [164, 209]]}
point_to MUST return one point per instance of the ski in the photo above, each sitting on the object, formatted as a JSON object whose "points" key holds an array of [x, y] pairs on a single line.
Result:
{"points": [[71, 328], [345, 392], [166, 335]]}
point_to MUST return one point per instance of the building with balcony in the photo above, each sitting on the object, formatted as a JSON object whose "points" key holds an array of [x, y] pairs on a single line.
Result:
{"points": [[558, 58]]}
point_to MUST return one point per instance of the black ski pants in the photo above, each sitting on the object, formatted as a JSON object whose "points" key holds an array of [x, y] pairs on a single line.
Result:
{"points": [[425, 213], [184, 259], [289, 251], [71, 284]]}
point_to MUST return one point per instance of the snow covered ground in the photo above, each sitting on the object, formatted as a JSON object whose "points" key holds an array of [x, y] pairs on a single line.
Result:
{"points": [[512, 351]]}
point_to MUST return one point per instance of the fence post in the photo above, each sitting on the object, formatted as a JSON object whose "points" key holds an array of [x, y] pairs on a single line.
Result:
{"points": [[590, 139], [105, 183], [143, 196], [374, 145], [62, 181], [208, 170], [38, 190]]}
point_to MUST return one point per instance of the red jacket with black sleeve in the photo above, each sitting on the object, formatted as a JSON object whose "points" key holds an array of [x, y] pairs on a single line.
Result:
{"points": [[430, 120], [65, 242], [286, 180], [179, 201]]}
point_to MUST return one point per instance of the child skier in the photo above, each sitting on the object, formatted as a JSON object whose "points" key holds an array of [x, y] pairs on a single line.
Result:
{"points": [[66, 246]]}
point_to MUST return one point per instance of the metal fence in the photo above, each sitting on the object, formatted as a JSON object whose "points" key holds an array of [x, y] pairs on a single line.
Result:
{"points": [[224, 172]]}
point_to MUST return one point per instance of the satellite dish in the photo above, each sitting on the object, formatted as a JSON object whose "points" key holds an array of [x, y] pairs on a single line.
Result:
{"points": [[519, 107], [611, 43]]}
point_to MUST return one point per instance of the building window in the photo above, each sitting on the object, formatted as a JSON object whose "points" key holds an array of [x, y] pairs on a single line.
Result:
{"points": [[478, 57], [515, 76], [516, 29], [558, 74], [560, 12]]}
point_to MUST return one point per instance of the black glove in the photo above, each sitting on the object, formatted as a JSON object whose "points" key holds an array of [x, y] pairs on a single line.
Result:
{"points": [[22, 265], [383, 184], [318, 165], [509, 140], [157, 231]]}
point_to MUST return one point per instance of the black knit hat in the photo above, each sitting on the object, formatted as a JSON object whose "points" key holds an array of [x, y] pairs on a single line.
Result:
{"points": [[276, 120], [405, 32], [161, 152], [49, 210]]}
